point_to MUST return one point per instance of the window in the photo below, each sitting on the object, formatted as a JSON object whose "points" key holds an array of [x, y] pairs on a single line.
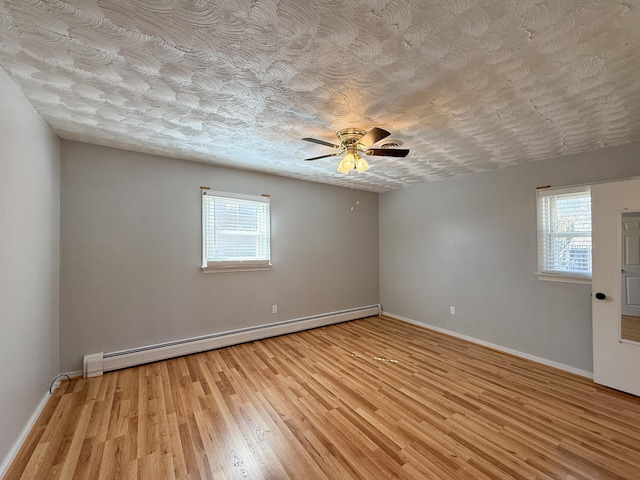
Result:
{"points": [[235, 232], [564, 234]]}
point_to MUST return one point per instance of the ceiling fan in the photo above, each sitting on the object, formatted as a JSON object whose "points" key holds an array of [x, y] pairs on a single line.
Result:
{"points": [[356, 143]]}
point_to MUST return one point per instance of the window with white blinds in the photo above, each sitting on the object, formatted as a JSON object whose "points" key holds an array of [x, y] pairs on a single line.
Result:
{"points": [[235, 232], [564, 232]]}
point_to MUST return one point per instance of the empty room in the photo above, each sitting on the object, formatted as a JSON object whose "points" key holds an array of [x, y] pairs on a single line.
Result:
{"points": [[279, 239]]}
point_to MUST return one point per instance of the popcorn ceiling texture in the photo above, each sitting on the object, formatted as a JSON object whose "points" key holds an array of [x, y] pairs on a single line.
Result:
{"points": [[467, 85]]}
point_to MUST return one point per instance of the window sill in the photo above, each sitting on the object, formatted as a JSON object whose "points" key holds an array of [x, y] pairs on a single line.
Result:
{"points": [[559, 277], [235, 269]]}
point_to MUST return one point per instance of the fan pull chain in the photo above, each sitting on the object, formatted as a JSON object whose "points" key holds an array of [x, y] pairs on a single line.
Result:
{"points": [[351, 174]]}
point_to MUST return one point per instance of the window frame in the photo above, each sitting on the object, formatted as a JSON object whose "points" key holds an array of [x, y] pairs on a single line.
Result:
{"points": [[542, 231], [255, 264]]}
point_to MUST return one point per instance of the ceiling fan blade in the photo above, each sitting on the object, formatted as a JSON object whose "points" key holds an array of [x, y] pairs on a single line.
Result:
{"points": [[322, 156], [388, 152], [373, 136], [321, 142]]}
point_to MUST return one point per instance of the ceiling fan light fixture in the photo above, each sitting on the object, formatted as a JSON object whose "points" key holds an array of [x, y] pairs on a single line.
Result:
{"points": [[361, 164], [355, 141], [348, 163]]}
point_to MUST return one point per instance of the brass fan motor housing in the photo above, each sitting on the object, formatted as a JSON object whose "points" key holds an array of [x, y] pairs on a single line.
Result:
{"points": [[349, 138]]}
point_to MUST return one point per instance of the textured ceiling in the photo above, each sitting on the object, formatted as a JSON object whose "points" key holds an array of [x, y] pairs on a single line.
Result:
{"points": [[466, 85]]}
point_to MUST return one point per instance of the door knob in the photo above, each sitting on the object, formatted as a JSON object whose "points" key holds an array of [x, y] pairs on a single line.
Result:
{"points": [[600, 296]]}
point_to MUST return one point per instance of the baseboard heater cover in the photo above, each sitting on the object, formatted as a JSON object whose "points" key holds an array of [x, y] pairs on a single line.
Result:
{"points": [[97, 363], [93, 365]]}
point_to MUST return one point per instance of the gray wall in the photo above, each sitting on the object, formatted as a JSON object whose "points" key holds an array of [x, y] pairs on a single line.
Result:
{"points": [[131, 252], [470, 242], [29, 241]]}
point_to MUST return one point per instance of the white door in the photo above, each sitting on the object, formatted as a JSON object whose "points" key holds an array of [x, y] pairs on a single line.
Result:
{"points": [[616, 360], [630, 273]]}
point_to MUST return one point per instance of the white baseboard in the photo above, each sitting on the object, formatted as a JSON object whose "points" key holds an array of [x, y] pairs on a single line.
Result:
{"points": [[10, 457], [500, 348], [71, 375], [96, 364]]}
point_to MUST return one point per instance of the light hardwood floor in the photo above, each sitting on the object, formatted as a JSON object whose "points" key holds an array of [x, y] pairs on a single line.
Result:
{"points": [[369, 399], [630, 328]]}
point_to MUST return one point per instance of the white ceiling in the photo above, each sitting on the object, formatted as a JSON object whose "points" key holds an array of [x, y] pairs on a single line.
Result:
{"points": [[466, 85]]}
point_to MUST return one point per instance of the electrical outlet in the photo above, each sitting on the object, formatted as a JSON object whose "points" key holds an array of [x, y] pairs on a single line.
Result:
{"points": [[274, 308], [452, 310]]}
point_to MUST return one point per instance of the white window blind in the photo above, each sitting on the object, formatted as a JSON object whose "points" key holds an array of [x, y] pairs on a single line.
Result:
{"points": [[235, 232], [564, 232]]}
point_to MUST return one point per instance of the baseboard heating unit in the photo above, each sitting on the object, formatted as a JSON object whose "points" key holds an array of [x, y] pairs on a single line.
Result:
{"points": [[96, 364]]}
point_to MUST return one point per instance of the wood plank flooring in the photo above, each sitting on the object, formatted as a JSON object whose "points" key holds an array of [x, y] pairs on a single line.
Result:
{"points": [[630, 328], [369, 399]]}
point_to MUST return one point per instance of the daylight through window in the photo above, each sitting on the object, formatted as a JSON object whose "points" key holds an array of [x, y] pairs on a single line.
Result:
{"points": [[235, 232], [564, 232]]}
